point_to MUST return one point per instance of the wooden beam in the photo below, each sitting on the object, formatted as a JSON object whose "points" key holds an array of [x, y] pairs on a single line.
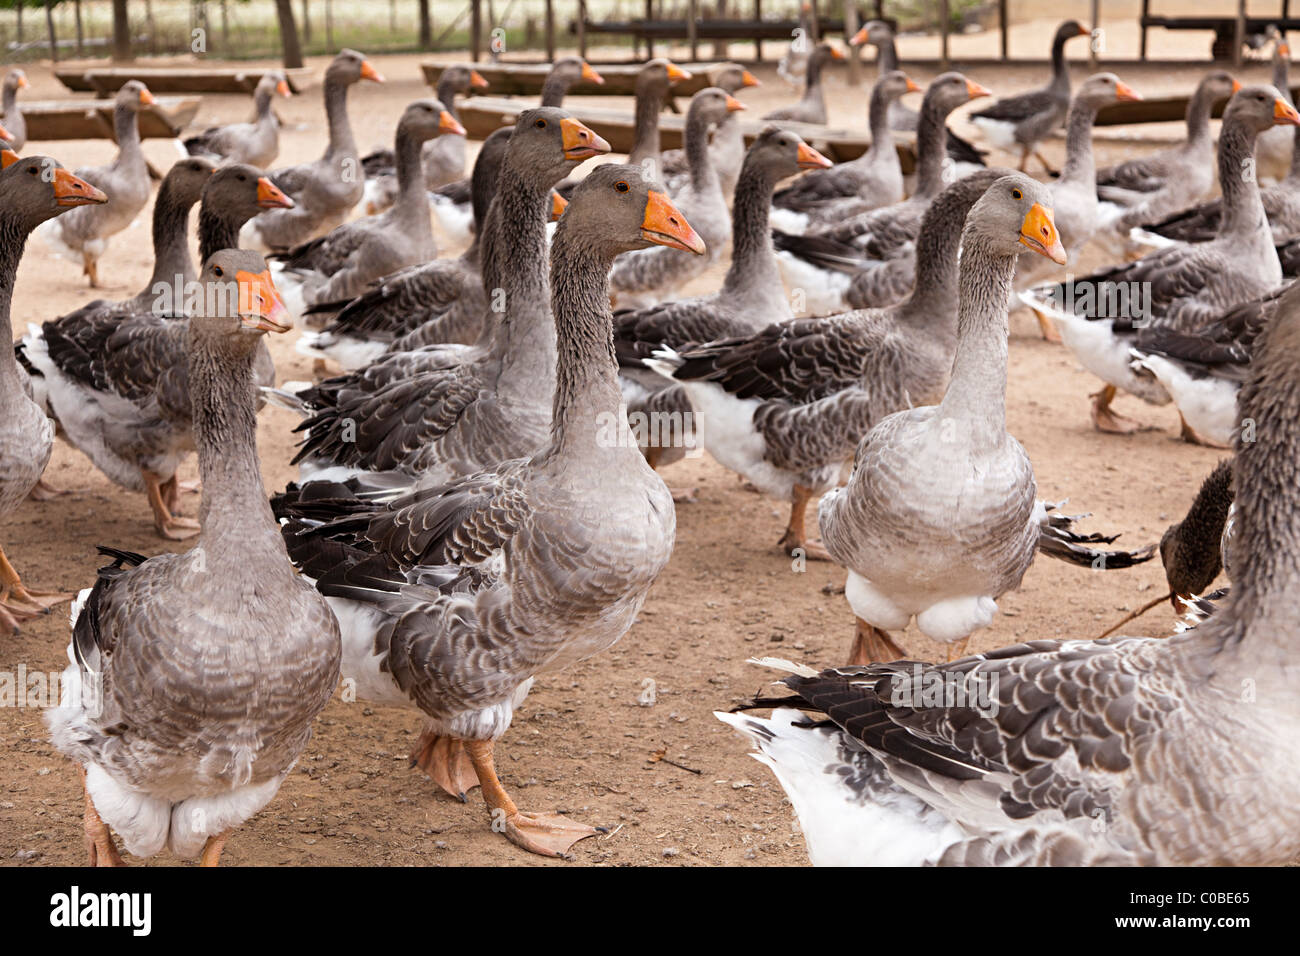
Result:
{"points": [[582, 28], [693, 28], [758, 43], [944, 14], [855, 53], [1003, 28], [550, 30], [475, 30], [1239, 34], [1142, 48]]}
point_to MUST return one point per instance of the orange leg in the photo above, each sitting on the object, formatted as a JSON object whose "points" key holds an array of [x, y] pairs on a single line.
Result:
{"points": [[99, 842], [446, 762], [17, 602], [211, 855], [1105, 419], [168, 525], [547, 834], [795, 536], [872, 645]]}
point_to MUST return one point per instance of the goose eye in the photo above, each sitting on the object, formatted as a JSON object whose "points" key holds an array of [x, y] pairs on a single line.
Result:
{"points": [[622, 186], [218, 271], [540, 124], [1017, 194]]}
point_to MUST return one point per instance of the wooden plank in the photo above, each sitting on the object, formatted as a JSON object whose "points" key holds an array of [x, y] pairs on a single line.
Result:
{"points": [[525, 79], [105, 81], [481, 116], [93, 119], [1163, 109]]}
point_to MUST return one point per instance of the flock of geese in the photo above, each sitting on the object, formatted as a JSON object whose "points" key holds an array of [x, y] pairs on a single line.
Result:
{"points": [[475, 507]]}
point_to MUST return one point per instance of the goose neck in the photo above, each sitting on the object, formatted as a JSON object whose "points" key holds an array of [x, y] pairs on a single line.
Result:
{"points": [[931, 147], [882, 137], [127, 131], [1243, 209], [341, 142], [217, 231], [12, 239], [886, 56], [753, 271], [703, 175], [171, 249], [1198, 114], [1080, 167], [645, 141]]}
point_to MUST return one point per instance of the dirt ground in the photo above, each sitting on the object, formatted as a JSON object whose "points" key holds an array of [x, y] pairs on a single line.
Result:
{"points": [[583, 742]]}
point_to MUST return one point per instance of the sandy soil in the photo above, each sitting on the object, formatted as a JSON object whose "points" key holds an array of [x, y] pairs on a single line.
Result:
{"points": [[583, 742]]}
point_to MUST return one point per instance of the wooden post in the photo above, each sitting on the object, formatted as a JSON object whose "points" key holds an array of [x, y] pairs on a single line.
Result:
{"points": [[1096, 25], [649, 42], [692, 28], [306, 21], [81, 36], [329, 24], [720, 51], [49, 25], [758, 42], [1142, 44], [582, 28], [1239, 34], [850, 28], [550, 31], [1003, 29], [944, 15], [121, 31], [475, 30]]}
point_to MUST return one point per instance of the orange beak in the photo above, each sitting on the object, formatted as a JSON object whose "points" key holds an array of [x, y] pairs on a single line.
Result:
{"points": [[558, 205], [590, 75], [269, 195], [749, 79], [1236, 85], [975, 91], [5, 134], [23, 84], [1038, 232], [260, 307], [476, 79], [809, 158], [1084, 32], [1283, 49], [1125, 93], [368, 72], [1284, 113], [837, 54], [447, 124], [7, 156], [283, 89], [676, 73], [734, 105], [581, 142], [665, 226], [71, 191], [146, 98], [859, 38], [913, 88]]}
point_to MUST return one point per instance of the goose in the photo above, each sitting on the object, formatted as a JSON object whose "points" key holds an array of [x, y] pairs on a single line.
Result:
{"points": [[179, 191], [1074, 193], [1076, 752], [452, 203], [343, 262], [117, 382], [1273, 151], [784, 404], [726, 146], [751, 296], [256, 143], [875, 176], [82, 235], [812, 107], [211, 664], [451, 410], [1202, 370], [459, 619], [435, 302], [1022, 121], [1194, 550], [1148, 188], [938, 519], [443, 158], [1200, 223], [793, 65], [821, 264], [652, 83], [903, 118], [1177, 288], [652, 275], [11, 116], [32, 191], [324, 190]]}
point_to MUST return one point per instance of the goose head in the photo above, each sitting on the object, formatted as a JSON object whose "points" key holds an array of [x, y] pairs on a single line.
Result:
{"points": [[239, 301], [1069, 30], [713, 104], [1218, 84], [187, 178], [782, 153], [462, 79], [894, 84], [240, 191], [425, 119], [551, 142], [1013, 215], [15, 80], [135, 96], [823, 53], [733, 77], [874, 32], [949, 91], [618, 209], [1102, 89], [274, 81], [349, 66], [1259, 107], [38, 188], [658, 74]]}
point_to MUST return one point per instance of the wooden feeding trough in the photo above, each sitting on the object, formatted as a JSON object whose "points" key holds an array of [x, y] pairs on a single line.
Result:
{"points": [[526, 79], [93, 119], [106, 81]]}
